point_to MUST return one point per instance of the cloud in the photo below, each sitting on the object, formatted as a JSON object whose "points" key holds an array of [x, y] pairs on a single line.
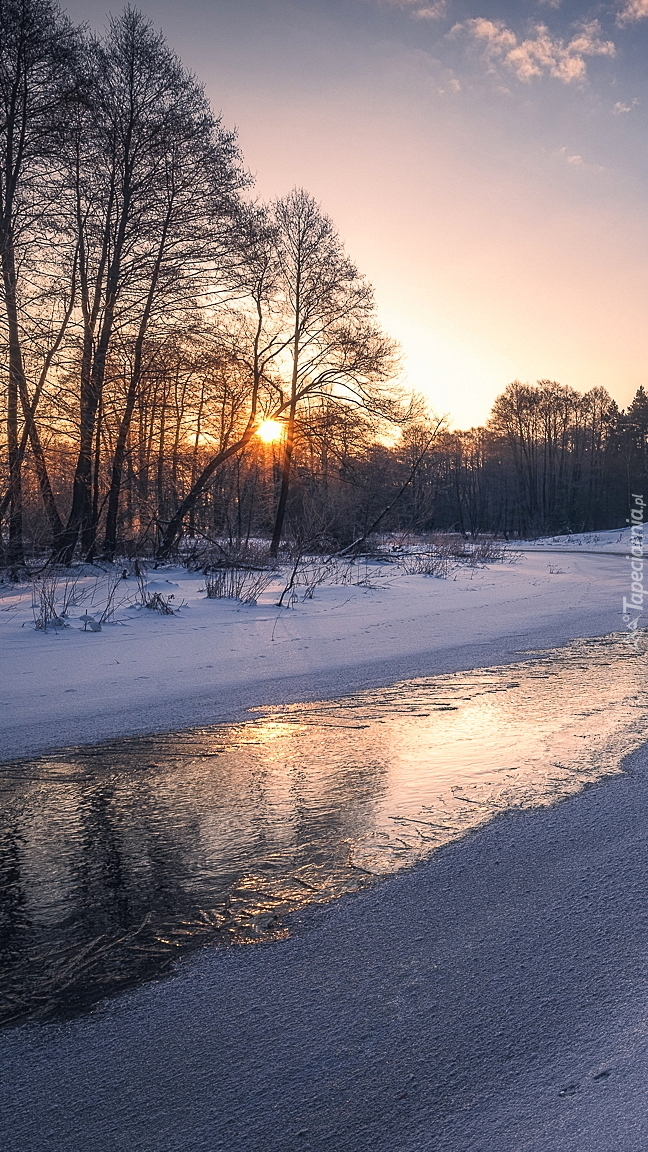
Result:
{"points": [[421, 10], [540, 53], [431, 12], [451, 85], [620, 107], [573, 159], [632, 10]]}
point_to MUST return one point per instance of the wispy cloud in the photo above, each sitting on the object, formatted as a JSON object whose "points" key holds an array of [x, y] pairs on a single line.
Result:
{"points": [[578, 162], [541, 53], [431, 11], [451, 85], [419, 9], [574, 158], [632, 10], [620, 107]]}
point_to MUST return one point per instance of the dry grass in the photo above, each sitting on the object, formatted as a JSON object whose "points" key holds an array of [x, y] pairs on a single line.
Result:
{"points": [[233, 583]]}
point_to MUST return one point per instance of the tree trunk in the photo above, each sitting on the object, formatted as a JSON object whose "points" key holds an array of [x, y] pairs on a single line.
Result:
{"points": [[286, 466], [290, 431], [29, 431], [110, 539], [15, 555], [160, 457], [194, 455], [92, 380], [90, 535], [174, 527], [80, 511], [133, 395]]}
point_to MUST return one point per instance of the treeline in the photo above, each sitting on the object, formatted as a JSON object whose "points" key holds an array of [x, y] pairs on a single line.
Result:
{"points": [[181, 360], [549, 460]]}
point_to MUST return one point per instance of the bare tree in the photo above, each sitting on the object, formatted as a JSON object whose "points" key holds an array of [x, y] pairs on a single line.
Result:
{"points": [[253, 337], [37, 48], [310, 317], [197, 178], [336, 347], [152, 173]]}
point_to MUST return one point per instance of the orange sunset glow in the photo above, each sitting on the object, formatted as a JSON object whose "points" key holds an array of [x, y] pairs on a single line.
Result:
{"points": [[482, 161]]}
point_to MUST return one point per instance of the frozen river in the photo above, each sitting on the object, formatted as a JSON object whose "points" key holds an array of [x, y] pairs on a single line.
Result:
{"points": [[117, 858]]}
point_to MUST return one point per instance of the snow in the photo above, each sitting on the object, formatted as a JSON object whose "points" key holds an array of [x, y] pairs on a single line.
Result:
{"points": [[616, 540], [211, 659], [493, 998]]}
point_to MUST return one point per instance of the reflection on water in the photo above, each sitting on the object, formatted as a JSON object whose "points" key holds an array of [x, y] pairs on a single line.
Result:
{"points": [[116, 858]]}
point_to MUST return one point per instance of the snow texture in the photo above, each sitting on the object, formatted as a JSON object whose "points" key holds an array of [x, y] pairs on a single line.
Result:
{"points": [[493, 998]]}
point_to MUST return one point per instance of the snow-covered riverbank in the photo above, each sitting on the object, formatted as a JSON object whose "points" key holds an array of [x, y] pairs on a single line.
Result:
{"points": [[492, 999], [214, 658]]}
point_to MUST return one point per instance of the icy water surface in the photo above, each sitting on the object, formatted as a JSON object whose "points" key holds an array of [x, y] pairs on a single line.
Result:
{"points": [[115, 859]]}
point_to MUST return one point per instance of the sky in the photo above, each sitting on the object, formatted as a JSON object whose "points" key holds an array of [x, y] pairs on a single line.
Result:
{"points": [[484, 162]]}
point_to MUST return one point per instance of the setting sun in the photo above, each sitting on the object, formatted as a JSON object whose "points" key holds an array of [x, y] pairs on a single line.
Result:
{"points": [[270, 430]]}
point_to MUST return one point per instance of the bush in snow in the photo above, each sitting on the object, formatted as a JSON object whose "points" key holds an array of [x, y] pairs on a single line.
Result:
{"points": [[52, 598], [231, 583], [154, 595], [45, 608], [427, 564]]}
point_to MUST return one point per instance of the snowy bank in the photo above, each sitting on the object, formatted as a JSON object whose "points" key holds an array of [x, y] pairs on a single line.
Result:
{"points": [[213, 658], [493, 998]]}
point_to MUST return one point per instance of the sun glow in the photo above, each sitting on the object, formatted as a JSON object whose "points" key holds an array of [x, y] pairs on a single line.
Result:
{"points": [[270, 430]]}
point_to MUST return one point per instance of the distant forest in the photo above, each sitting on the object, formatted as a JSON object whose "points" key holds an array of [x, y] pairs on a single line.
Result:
{"points": [[180, 361]]}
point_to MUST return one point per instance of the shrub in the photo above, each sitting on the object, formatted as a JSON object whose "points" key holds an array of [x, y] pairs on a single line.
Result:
{"points": [[234, 583], [427, 564]]}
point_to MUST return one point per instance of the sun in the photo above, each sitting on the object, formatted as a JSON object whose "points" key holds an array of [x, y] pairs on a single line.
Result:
{"points": [[270, 430]]}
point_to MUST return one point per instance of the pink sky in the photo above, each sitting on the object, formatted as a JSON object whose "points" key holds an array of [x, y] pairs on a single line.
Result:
{"points": [[487, 176]]}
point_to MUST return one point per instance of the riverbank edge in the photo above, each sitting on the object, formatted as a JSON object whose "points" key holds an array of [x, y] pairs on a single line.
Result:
{"points": [[20, 740]]}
